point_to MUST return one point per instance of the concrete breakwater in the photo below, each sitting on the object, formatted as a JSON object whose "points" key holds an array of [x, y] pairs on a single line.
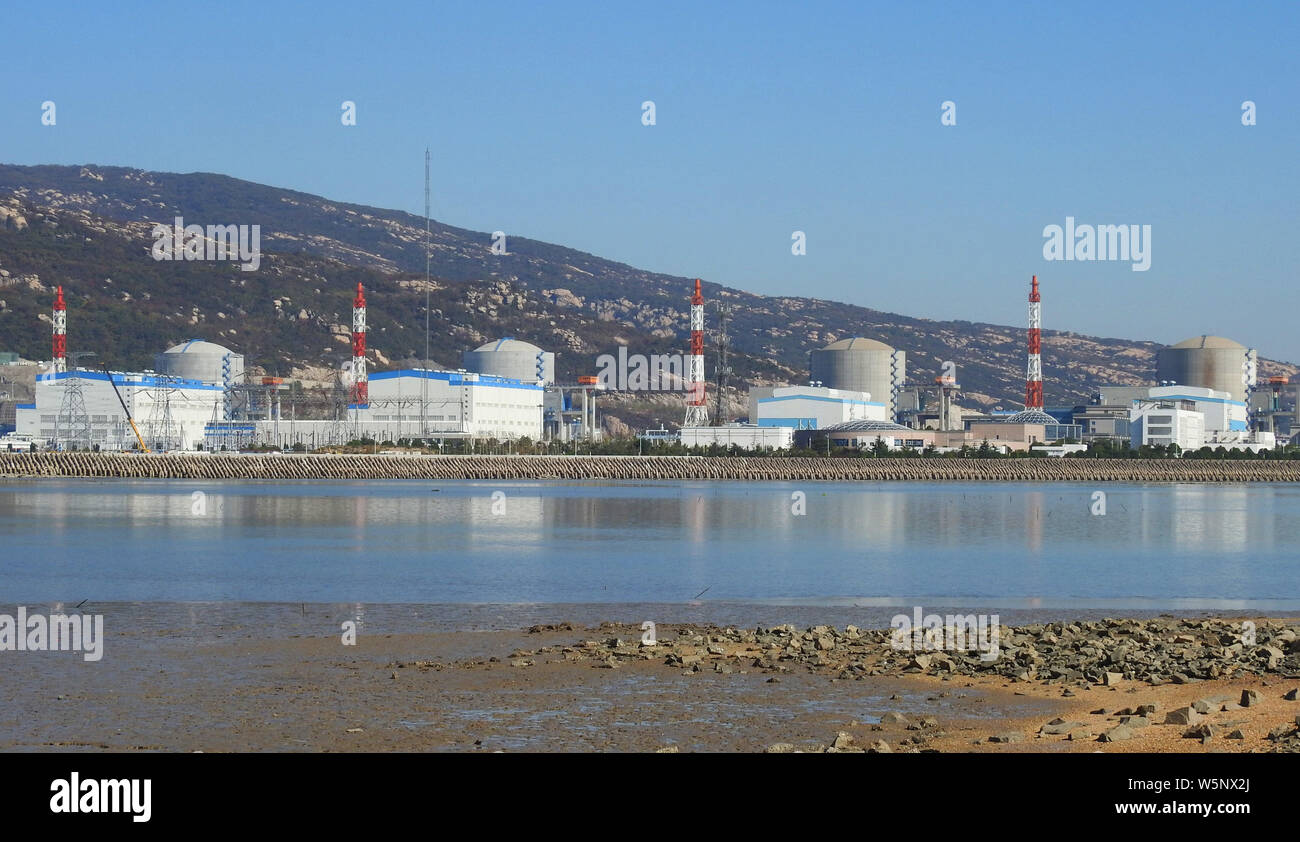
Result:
{"points": [[746, 468]]}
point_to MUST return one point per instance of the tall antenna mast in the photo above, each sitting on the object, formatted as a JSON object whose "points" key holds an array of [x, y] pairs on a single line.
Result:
{"points": [[723, 340], [697, 405], [424, 380], [1034, 373]]}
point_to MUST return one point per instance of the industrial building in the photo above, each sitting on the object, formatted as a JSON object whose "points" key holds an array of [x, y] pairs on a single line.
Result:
{"points": [[1212, 362], [811, 407], [861, 365], [1167, 421], [206, 362], [79, 409], [740, 436], [512, 359], [200, 397], [864, 434]]}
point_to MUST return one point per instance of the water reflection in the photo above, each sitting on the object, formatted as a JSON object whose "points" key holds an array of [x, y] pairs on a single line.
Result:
{"points": [[414, 541]]}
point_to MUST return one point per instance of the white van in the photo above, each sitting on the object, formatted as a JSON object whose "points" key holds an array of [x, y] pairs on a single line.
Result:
{"points": [[14, 443]]}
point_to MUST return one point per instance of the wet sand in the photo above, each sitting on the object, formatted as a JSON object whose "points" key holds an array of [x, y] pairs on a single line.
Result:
{"points": [[239, 685]]}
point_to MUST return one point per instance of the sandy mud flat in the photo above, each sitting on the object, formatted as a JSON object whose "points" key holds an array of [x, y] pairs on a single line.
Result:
{"points": [[230, 682]]}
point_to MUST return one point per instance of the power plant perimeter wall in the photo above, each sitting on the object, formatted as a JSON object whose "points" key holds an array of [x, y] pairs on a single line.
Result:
{"points": [[756, 468]]}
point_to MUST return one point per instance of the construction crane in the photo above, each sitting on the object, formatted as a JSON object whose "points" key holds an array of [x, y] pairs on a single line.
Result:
{"points": [[129, 420]]}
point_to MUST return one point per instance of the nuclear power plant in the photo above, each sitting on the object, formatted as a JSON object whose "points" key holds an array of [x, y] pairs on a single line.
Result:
{"points": [[201, 396]]}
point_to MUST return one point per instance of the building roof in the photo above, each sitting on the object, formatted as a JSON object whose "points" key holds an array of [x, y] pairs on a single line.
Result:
{"points": [[510, 345], [867, 426], [199, 346], [1207, 341], [1031, 416], [857, 343]]}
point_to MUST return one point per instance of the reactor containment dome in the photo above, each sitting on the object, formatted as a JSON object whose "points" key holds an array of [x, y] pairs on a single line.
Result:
{"points": [[196, 359], [860, 365], [512, 358], [1208, 361]]}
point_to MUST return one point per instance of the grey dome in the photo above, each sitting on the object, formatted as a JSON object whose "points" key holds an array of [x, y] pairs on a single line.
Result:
{"points": [[1032, 416]]}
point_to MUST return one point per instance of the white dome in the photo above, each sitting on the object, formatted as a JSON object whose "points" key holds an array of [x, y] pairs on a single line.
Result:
{"points": [[198, 346]]}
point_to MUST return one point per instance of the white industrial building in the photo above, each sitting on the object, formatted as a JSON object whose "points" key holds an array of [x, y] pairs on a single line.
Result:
{"points": [[406, 404], [811, 407], [480, 405], [79, 409], [1192, 417], [1165, 422], [742, 436]]}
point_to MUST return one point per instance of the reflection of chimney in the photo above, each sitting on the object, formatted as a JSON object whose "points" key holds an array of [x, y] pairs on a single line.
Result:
{"points": [[360, 386], [60, 333], [1034, 380]]}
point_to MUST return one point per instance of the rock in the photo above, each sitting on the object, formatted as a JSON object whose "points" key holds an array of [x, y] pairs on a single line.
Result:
{"points": [[1248, 698], [843, 740], [1147, 710], [1112, 679], [1134, 721], [1008, 737], [1057, 727], [526, 662], [1292, 695], [1182, 716], [1201, 706], [1199, 732], [1116, 734], [880, 747], [668, 750], [893, 718], [1235, 735], [779, 748]]}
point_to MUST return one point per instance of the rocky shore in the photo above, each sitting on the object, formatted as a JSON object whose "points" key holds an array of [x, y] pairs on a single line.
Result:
{"points": [[1073, 657]]}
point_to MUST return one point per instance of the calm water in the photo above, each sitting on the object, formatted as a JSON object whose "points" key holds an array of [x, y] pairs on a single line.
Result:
{"points": [[1012, 546]]}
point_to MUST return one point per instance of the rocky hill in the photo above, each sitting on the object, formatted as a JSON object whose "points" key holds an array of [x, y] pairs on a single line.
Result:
{"points": [[89, 229]]}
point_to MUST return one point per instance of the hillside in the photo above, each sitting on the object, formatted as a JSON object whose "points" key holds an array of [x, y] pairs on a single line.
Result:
{"points": [[88, 228]]}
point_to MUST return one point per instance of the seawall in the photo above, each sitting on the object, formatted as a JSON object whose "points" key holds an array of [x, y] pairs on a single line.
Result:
{"points": [[758, 468]]}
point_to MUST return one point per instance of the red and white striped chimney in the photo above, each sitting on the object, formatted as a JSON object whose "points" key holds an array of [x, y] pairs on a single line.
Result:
{"points": [[360, 386], [1034, 380], [60, 333], [697, 413]]}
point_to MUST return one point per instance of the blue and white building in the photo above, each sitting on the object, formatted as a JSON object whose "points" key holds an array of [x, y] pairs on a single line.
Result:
{"points": [[412, 402], [78, 408], [811, 407]]}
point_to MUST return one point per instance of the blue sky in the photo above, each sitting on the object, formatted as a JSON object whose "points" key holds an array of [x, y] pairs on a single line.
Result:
{"points": [[770, 118]]}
